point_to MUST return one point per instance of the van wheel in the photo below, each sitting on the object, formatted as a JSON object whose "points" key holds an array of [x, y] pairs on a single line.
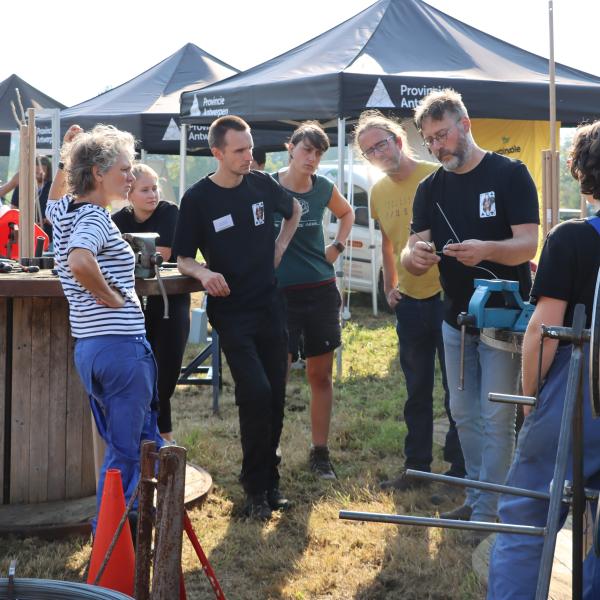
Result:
{"points": [[381, 299]]}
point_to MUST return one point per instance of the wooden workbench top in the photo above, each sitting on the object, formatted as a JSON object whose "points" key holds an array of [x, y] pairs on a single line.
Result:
{"points": [[44, 284]]}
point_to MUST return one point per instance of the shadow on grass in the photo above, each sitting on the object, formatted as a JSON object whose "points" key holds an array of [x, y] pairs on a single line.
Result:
{"points": [[251, 559], [423, 562]]}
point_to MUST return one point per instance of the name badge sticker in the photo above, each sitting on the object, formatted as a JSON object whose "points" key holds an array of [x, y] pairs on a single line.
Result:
{"points": [[223, 223]]}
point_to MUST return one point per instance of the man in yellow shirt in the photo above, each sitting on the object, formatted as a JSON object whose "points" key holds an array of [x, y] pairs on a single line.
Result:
{"points": [[415, 300]]}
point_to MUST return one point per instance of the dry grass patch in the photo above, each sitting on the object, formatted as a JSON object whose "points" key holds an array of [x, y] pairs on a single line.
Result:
{"points": [[306, 553]]}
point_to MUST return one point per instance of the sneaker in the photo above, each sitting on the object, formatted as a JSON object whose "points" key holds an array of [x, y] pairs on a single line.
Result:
{"points": [[462, 513], [403, 483], [257, 507], [320, 464], [276, 500]]}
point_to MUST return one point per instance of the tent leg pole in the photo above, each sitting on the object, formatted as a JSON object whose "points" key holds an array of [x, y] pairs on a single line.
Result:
{"points": [[340, 261], [182, 155]]}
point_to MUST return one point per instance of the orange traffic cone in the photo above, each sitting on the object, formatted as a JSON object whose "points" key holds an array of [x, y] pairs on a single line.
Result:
{"points": [[120, 569]]}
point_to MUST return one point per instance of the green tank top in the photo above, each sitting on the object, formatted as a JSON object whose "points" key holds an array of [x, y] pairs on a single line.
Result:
{"points": [[304, 260]]}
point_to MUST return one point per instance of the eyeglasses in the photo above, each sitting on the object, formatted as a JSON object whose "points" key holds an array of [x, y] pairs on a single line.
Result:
{"points": [[440, 137], [379, 147]]}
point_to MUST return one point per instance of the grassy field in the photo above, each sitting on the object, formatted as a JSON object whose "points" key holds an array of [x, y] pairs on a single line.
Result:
{"points": [[307, 553]]}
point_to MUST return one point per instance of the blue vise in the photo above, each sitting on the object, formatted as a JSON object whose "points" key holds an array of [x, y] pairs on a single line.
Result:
{"points": [[515, 313]]}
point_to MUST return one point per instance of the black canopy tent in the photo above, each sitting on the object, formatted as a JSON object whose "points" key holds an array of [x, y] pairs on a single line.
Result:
{"points": [[30, 98], [148, 105], [389, 56]]}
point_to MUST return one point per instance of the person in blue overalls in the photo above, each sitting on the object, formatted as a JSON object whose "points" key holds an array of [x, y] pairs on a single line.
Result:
{"points": [[96, 270], [566, 276]]}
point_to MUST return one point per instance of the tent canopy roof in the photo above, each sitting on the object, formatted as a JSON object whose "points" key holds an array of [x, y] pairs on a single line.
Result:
{"points": [[409, 46], [30, 98], [152, 96]]}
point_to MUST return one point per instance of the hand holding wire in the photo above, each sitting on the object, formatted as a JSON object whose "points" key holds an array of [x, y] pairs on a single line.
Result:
{"points": [[468, 252]]}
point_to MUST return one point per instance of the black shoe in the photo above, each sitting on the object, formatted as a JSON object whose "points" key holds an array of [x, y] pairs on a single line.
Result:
{"points": [[462, 513], [320, 464], [403, 483], [257, 507], [276, 500], [454, 471]]}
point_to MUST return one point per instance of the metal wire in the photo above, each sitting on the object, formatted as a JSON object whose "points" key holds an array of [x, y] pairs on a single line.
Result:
{"points": [[47, 589]]}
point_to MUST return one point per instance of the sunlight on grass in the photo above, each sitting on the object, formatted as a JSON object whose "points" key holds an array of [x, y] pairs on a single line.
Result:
{"points": [[307, 553]]}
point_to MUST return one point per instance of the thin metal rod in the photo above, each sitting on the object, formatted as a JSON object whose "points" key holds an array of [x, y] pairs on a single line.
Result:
{"points": [[448, 222], [578, 495], [479, 485], [511, 399], [445, 523]]}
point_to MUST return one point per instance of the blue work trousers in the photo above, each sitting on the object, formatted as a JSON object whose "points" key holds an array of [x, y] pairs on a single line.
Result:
{"points": [[119, 374], [515, 559]]}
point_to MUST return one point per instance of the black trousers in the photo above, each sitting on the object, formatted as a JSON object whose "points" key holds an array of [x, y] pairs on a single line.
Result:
{"points": [[255, 345], [168, 338]]}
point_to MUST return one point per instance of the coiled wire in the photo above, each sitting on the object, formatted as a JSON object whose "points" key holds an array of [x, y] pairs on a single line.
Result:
{"points": [[47, 589]]}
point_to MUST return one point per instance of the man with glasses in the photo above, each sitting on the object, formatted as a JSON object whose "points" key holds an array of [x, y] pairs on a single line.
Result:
{"points": [[415, 300], [476, 217]]}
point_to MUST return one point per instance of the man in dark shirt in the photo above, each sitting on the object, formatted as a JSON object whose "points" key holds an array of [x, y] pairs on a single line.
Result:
{"points": [[480, 211], [566, 276], [228, 216]]}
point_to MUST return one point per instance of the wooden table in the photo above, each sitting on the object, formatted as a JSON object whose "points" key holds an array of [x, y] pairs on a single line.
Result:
{"points": [[46, 452]]}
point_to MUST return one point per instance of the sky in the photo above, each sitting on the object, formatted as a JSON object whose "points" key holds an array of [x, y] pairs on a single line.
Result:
{"points": [[74, 50]]}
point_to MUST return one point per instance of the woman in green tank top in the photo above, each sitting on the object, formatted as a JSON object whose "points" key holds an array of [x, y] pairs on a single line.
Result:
{"points": [[307, 278]]}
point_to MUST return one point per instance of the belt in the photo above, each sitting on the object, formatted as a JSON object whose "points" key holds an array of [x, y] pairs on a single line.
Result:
{"points": [[434, 297]]}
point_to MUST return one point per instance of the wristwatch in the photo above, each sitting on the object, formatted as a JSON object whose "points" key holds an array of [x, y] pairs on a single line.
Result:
{"points": [[339, 246]]}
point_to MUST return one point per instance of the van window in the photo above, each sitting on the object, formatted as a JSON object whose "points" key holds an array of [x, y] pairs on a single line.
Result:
{"points": [[361, 201]]}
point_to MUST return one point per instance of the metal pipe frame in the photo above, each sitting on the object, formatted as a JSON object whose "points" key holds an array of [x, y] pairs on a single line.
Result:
{"points": [[512, 399], [479, 485], [445, 523]]}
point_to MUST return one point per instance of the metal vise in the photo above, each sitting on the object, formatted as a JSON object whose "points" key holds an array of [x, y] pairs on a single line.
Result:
{"points": [[148, 260], [513, 316]]}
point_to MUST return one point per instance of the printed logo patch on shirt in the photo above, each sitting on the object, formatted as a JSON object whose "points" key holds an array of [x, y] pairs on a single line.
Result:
{"points": [[258, 210], [487, 205], [304, 205], [223, 223]]}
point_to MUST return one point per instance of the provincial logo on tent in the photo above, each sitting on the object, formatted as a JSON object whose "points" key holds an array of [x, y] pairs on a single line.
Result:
{"points": [[195, 107], [379, 97], [172, 133]]}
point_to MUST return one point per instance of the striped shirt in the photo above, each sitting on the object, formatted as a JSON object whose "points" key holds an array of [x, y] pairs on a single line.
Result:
{"points": [[90, 227]]}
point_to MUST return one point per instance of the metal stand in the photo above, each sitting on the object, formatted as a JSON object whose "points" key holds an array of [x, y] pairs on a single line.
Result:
{"points": [[196, 373], [560, 492]]}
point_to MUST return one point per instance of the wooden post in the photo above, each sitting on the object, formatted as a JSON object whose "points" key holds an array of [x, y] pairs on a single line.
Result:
{"points": [[169, 520], [27, 186], [145, 523], [550, 173], [550, 195]]}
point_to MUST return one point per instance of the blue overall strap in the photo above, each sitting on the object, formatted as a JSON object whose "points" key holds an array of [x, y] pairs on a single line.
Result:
{"points": [[594, 222]]}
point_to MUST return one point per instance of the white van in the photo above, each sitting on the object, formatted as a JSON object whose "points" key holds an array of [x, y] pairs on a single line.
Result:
{"points": [[358, 258]]}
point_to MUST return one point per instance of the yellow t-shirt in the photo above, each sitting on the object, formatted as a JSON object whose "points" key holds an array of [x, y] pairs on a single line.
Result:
{"points": [[391, 205]]}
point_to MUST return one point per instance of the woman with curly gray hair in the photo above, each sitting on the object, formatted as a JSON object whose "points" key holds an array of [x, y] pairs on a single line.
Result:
{"points": [[566, 276], [96, 269]]}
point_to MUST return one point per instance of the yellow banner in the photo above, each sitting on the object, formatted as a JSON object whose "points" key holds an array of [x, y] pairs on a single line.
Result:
{"points": [[523, 140]]}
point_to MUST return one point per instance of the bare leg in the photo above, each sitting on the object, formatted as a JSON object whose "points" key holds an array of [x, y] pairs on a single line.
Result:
{"points": [[319, 373]]}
